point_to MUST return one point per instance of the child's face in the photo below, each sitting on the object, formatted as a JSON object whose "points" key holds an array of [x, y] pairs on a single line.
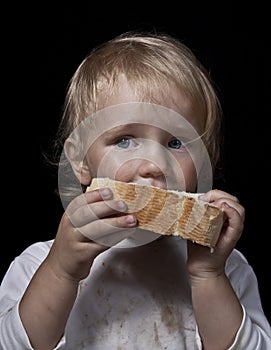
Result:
{"points": [[146, 143]]}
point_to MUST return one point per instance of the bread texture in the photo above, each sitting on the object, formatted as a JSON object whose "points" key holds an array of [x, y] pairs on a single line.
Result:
{"points": [[168, 212]]}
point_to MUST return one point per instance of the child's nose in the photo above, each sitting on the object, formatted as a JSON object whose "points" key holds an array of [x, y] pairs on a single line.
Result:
{"points": [[151, 169], [155, 162]]}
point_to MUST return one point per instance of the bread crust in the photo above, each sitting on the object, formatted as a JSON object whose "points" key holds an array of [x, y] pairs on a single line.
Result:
{"points": [[168, 212]]}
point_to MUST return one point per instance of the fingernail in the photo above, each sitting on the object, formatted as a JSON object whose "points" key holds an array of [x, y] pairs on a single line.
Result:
{"points": [[226, 205], [130, 219], [121, 205], [106, 193]]}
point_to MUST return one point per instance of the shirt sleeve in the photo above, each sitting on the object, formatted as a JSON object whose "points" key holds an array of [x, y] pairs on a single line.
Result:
{"points": [[250, 336], [255, 331], [14, 283]]}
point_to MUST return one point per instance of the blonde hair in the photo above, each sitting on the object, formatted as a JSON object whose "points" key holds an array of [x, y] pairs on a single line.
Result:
{"points": [[153, 64]]}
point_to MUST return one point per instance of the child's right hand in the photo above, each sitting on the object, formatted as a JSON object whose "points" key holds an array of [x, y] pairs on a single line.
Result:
{"points": [[90, 216]]}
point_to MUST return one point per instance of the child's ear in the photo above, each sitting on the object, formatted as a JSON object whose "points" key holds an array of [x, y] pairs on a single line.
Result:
{"points": [[79, 165]]}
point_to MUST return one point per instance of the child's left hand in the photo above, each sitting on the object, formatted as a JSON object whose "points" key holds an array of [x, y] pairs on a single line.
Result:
{"points": [[201, 261]]}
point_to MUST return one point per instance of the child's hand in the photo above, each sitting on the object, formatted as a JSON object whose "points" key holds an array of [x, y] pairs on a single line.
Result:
{"points": [[201, 261], [88, 218]]}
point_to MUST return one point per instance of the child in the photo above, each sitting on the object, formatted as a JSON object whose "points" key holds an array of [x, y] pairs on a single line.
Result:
{"points": [[140, 108]]}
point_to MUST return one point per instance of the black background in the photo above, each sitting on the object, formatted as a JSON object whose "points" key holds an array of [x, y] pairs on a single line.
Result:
{"points": [[42, 46]]}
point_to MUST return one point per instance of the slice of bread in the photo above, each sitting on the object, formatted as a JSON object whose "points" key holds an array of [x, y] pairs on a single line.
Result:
{"points": [[168, 212]]}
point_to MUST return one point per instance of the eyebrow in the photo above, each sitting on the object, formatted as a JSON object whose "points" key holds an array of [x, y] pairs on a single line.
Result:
{"points": [[121, 129]]}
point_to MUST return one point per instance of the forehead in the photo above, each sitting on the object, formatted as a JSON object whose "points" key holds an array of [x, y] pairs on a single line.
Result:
{"points": [[166, 96]]}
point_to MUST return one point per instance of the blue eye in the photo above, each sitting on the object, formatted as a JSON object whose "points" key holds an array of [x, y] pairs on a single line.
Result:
{"points": [[124, 142], [176, 143]]}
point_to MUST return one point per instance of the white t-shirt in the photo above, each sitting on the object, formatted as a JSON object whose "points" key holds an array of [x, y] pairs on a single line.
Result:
{"points": [[133, 299]]}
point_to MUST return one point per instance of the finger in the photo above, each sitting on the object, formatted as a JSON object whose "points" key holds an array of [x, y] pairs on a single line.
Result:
{"points": [[109, 231], [235, 220], [91, 212], [214, 195], [218, 197], [88, 198], [227, 205], [232, 229]]}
